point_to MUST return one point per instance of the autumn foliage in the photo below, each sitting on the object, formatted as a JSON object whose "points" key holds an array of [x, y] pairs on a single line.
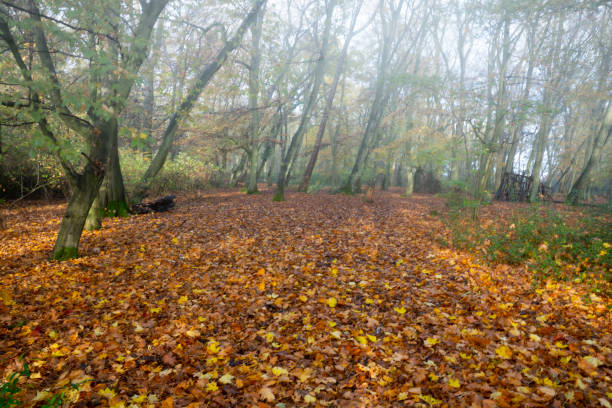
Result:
{"points": [[322, 300]]}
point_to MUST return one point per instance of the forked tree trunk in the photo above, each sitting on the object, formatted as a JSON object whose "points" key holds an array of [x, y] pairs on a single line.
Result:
{"points": [[111, 200], [85, 187]]}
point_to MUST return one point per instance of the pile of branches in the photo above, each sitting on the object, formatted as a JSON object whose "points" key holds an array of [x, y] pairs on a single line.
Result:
{"points": [[160, 205]]}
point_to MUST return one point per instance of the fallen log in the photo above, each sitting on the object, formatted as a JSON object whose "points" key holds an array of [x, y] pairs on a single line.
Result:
{"points": [[160, 205]]}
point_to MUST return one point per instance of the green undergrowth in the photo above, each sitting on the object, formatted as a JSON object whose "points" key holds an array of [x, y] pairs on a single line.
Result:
{"points": [[11, 390], [573, 246]]}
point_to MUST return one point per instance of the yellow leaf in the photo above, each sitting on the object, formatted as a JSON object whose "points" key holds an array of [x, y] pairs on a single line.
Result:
{"points": [[226, 378], [277, 371], [332, 302], [465, 356], [433, 377], [212, 386], [453, 382], [213, 347], [373, 339], [400, 310], [261, 286], [42, 395], [155, 309], [430, 342], [269, 337], [430, 400], [107, 393], [182, 300], [303, 298], [402, 396], [361, 339], [504, 352], [560, 345], [175, 240], [369, 301], [309, 399], [139, 399], [524, 390], [548, 391], [535, 337], [35, 376], [336, 334]]}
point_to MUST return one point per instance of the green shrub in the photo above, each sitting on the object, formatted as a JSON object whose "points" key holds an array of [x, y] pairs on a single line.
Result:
{"points": [[184, 172], [544, 241]]}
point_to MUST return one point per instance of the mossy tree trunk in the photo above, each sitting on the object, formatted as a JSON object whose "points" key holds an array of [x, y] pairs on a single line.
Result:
{"points": [[111, 200], [85, 187]]}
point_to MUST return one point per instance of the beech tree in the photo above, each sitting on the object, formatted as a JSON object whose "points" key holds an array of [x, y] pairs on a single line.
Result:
{"points": [[108, 56]]}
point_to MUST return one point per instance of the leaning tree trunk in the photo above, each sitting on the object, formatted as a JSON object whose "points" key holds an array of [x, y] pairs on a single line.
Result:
{"points": [[602, 138], [186, 106], [296, 140], [328, 107], [83, 194]]}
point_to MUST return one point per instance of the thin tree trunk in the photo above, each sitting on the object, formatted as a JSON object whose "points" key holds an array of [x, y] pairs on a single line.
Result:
{"points": [[539, 148], [254, 72], [328, 105], [296, 140], [185, 107], [603, 136]]}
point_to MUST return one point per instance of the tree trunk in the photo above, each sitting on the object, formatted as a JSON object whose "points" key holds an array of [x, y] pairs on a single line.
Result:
{"points": [[111, 200], [328, 106], [85, 187], [254, 72], [185, 107], [539, 148], [296, 140], [601, 139], [409, 182], [71, 228]]}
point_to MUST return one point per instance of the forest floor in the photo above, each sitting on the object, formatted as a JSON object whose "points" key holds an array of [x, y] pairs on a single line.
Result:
{"points": [[322, 300]]}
